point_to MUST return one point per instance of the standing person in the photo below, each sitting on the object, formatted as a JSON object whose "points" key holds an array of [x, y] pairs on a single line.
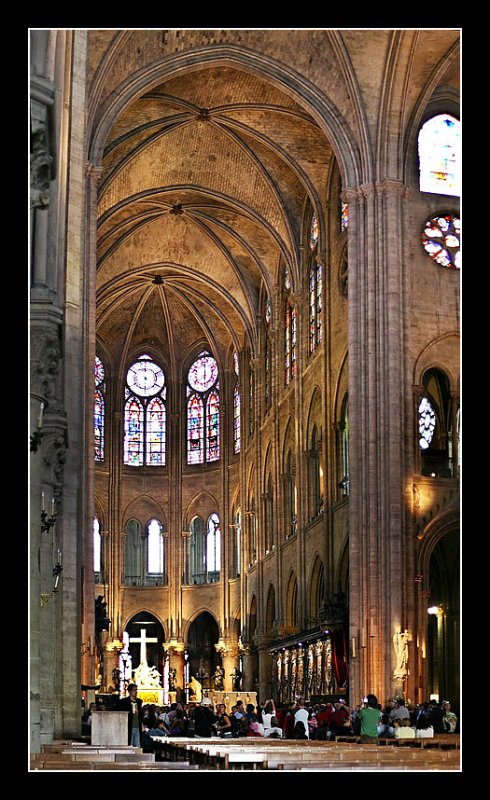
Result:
{"points": [[369, 716], [301, 715], [450, 718], [133, 705]]}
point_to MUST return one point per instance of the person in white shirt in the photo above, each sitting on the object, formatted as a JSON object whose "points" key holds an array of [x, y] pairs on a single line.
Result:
{"points": [[301, 715], [268, 712]]}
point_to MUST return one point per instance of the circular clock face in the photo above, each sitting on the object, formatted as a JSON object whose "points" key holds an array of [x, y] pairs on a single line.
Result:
{"points": [[145, 378], [441, 240], [203, 373], [427, 423]]}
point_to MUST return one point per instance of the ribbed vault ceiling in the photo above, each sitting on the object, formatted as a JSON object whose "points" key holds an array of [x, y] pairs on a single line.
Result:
{"points": [[205, 182]]}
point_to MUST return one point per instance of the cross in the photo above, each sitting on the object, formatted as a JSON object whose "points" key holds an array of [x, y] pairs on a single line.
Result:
{"points": [[143, 639]]}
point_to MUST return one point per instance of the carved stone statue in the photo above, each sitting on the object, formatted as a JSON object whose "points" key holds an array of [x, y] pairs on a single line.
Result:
{"points": [[195, 690], [147, 677], [237, 680], [400, 643], [219, 678]]}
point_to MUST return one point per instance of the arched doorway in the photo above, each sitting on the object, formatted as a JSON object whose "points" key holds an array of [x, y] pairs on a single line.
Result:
{"points": [[146, 638], [443, 620], [202, 658]]}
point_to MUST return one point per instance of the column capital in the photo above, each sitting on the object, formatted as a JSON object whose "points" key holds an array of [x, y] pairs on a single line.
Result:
{"points": [[174, 646], [94, 172]]}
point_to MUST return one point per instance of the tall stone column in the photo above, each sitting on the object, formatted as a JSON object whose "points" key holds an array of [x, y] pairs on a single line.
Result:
{"points": [[378, 545], [265, 669], [247, 662]]}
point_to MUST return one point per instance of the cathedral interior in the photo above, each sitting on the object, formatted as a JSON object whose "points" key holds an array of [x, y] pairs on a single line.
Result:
{"points": [[244, 362]]}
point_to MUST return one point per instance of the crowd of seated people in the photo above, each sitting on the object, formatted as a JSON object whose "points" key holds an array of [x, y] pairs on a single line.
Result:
{"points": [[297, 720]]}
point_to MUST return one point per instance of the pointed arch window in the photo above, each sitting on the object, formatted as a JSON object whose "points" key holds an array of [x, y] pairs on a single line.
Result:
{"points": [[203, 411], [267, 355], [133, 552], [438, 426], [236, 406], [205, 550], [269, 515], [99, 410], [251, 392], [145, 414], [290, 338], [154, 553], [213, 550], [345, 482], [439, 146], [290, 497], [315, 278], [238, 540], [315, 488], [97, 551], [344, 216]]}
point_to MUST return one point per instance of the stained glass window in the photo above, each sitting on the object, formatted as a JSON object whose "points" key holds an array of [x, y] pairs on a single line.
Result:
{"points": [[290, 340], [313, 232], [155, 432], [440, 155], [268, 312], [236, 364], [287, 344], [195, 430], [250, 400], [427, 423], [203, 411], [145, 415], [344, 216], [236, 419], [212, 432], [314, 291], [133, 432], [441, 240], [99, 410], [203, 373]]}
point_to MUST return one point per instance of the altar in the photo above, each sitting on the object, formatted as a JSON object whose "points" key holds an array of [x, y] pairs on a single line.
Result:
{"points": [[230, 698]]}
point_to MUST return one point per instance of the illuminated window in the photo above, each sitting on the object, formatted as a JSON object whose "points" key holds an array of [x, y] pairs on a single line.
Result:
{"points": [[203, 411], [441, 240], [97, 549], [314, 290], [145, 414], [440, 155], [99, 409]]}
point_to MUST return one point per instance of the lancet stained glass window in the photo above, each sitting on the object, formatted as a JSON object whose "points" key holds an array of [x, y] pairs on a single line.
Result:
{"points": [[314, 290], [203, 411], [236, 418], [344, 216], [439, 145], [441, 240], [145, 414], [236, 405], [267, 356], [290, 331], [99, 410]]}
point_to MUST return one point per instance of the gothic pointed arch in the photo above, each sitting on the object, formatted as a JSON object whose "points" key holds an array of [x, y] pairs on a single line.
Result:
{"points": [[316, 590]]}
